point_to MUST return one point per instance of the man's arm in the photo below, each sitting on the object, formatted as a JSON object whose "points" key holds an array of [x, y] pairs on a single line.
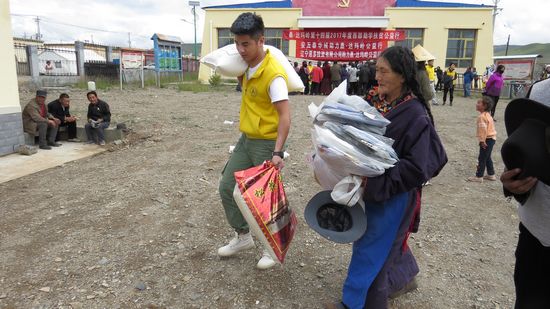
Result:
{"points": [[283, 109]]}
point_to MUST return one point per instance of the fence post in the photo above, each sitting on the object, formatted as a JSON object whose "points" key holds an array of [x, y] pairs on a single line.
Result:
{"points": [[109, 54], [79, 50], [33, 62]]}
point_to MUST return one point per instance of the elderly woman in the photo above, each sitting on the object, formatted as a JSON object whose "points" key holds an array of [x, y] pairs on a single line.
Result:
{"points": [[382, 265]]}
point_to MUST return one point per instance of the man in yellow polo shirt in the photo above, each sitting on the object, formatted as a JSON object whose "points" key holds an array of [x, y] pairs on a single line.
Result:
{"points": [[264, 123], [431, 76]]}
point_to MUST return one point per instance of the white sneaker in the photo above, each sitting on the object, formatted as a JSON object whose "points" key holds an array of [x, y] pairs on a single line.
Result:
{"points": [[238, 243], [266, 261]]}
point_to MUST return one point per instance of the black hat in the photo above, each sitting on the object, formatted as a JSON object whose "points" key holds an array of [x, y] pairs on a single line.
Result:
{"points": [[528, 144], [41, 93], [335, 222]]}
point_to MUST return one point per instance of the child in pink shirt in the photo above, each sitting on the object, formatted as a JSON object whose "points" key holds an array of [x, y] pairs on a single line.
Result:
{"points": [[486, 135]]}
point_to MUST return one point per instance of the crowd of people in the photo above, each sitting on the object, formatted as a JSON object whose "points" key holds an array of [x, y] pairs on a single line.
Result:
{"points": [[405, 84], [47, 121], [323, 77]]}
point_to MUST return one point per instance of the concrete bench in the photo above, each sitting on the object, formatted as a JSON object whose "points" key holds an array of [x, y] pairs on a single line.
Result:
{"points": [[111, 134]]}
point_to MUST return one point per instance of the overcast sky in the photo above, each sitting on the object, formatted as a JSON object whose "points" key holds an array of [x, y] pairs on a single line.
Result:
{"points": [[109, 22]]}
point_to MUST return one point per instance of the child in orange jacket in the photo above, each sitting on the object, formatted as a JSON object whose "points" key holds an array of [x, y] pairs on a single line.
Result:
{"points": [[486, 135]]}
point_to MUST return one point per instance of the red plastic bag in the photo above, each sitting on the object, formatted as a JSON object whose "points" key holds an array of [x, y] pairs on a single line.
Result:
{"points": [[260, 195]]}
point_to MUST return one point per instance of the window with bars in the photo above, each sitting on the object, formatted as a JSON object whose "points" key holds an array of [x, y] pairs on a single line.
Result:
{"points": [[273, 37], [461, 47], [413, 37]]}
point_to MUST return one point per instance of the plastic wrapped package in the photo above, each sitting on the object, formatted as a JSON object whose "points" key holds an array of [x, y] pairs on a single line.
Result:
{"points": [[365, 142], [348, 113], [341, 155]]}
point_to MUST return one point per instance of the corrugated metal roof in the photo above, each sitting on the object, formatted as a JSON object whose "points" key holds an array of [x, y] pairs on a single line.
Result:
{"points": [[433, 4], [168, 38]]}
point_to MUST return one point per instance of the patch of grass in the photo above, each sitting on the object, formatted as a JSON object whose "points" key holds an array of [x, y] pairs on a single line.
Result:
{"points": [[102, 84], [195, 87], [215, 80], [198, 87]]}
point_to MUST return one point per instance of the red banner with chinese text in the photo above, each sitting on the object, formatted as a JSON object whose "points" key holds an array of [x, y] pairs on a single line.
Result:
{"points": [[344, 34], [341, 44]]}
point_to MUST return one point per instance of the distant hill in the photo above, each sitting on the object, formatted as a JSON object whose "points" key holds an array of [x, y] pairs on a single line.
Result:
{"points": [[535, 48]]}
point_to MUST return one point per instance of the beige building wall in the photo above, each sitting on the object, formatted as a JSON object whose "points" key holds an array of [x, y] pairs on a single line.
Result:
{"points": [[223, 18], [11, 124], [436, 23], [8, 78]]}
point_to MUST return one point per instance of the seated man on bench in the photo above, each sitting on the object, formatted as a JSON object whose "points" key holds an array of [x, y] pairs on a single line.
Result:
{"points": [[60, 109], [37, 119]]}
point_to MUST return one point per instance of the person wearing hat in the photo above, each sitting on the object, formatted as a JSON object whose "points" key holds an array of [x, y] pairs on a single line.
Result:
{"points": [[264, 124], [382, 264], [526, 154], [426, 73], [37, 119]]}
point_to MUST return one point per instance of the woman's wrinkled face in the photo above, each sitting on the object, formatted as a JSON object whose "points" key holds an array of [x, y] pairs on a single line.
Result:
{"points": [[390, 83]]}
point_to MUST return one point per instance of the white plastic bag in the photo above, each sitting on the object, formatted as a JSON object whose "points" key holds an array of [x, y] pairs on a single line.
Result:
{"points": [[349, 191], [228, 62]]}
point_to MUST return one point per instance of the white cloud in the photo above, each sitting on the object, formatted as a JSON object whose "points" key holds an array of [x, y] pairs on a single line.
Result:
{"points": [[141, 18], [526, 21]]}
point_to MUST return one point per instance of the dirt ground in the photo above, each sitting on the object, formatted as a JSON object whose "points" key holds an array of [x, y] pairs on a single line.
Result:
{"points": [[139, 226]]}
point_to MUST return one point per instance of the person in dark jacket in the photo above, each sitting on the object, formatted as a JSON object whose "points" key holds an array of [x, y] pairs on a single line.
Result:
{"points": [[364, 76], [303, 72], [60, 109], [439, 74], [99, 118], [382, 264], [468, 78]]}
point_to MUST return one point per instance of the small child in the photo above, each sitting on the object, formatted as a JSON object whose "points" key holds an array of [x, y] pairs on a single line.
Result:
{"points": [[486, 135]]}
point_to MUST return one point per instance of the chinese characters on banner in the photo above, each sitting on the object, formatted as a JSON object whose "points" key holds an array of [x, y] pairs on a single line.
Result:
{"points": [[341, 44]]}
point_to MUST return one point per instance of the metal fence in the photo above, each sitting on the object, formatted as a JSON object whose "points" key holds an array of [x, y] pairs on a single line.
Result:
{"points": [[22, 64], [57, 61], [101, 69], [190, 65]]}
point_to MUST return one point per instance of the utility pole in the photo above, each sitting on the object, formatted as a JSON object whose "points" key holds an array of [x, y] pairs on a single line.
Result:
{"points": [[496, 11], [194, 4], [507, 44], [38, 35], [129, 40]]}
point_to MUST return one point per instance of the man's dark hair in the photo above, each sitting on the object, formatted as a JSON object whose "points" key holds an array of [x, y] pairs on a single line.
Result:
{"points": [[248, 24], [91, 92], [500, 68], [63, 95]]}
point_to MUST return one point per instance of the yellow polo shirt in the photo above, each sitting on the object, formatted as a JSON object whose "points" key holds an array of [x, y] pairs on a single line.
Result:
{"points": [[259, 118]]}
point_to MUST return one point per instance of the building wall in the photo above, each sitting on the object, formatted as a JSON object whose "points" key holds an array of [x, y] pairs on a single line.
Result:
{"points": [[436, 23], [11, 125], [343, 7], [223, 18]]}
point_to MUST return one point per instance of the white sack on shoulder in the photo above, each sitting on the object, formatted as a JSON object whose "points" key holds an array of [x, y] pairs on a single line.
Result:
{"points": [[228, 62]]}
